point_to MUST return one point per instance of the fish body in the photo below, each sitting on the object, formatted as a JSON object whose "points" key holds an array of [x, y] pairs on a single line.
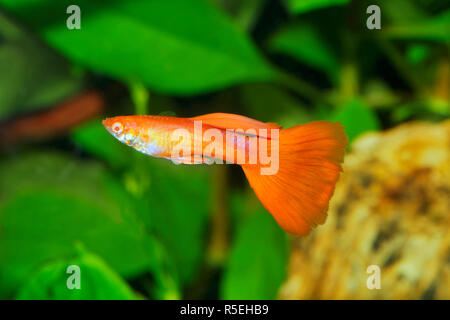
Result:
{"points": [[292, 171], [147, 134], [157, 136]]}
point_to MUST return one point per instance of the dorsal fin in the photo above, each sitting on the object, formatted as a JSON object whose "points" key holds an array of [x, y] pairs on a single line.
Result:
{"points": [[234, 121]]}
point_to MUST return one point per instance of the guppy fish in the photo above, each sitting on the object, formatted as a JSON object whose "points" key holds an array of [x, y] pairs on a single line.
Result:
{"points": [[308, 157]]}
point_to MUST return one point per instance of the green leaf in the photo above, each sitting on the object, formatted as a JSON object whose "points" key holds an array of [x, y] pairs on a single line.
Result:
{"points": [[177, 46], [32, 77], [51, 201], [257, 263], [435, 28], [97, 281], [417, 53], [166, 284], [244, 13], [402, 11], [302, 6], [303, 42], [179, 202], [357, 118]]}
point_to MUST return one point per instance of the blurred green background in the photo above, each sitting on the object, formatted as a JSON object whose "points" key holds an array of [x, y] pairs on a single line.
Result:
{"points": [[140, 227]]}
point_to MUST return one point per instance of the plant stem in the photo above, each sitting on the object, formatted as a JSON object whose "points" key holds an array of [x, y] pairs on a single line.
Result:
{"points": [[349, 73], [140, 97]]}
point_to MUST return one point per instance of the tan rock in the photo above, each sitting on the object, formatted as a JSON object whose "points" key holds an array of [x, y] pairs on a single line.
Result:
{"points": [[391, 208]]}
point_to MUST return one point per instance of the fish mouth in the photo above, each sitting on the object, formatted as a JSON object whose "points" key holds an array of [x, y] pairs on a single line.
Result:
{"points": [[105, 123], [107, 127]]}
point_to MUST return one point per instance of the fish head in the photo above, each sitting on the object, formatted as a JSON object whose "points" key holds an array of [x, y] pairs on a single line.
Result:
{"points": [[123, 128], [135, 132]]}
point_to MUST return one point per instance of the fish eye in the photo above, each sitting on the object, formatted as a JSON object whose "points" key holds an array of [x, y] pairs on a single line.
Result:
{"points": [[117, 128]]}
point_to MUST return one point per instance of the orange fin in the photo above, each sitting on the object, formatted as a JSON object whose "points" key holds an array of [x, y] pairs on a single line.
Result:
{"points": [[310, 159], [234, 121]]}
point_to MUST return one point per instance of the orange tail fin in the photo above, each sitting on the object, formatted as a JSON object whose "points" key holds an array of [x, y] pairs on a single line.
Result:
{"points": [[297, 195]]}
